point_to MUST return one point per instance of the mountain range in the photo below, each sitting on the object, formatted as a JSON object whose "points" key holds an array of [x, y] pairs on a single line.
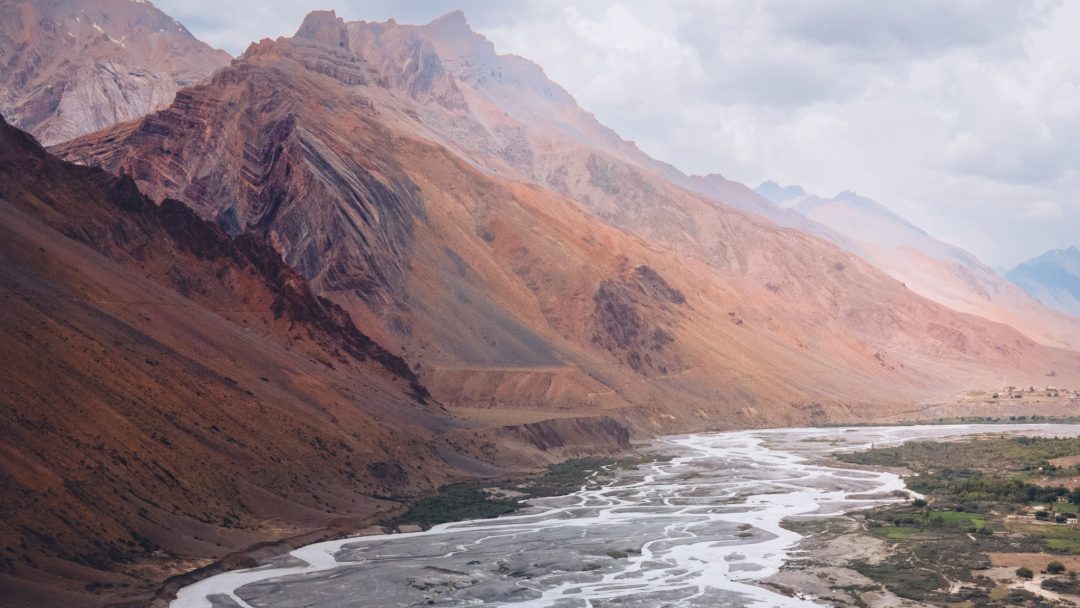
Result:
{"points": [[281, 296], [930, 267], [1053, 278]]}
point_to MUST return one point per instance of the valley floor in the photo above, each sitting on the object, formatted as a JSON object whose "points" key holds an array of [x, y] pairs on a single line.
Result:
{"points": [[700, 528]]}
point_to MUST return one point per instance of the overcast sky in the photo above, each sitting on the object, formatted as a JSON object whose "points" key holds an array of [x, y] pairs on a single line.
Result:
{"points": [[962, 116]]}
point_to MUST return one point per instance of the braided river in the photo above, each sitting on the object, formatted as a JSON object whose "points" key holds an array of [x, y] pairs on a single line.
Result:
{"points": [[699, 529]]}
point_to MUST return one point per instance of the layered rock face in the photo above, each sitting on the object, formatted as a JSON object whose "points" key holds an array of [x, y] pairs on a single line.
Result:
{"points": [[469, 216], [171, 394], [70, 67]]}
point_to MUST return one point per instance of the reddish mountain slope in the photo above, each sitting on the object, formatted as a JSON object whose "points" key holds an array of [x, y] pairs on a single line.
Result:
{"points": [[542, 274], [71, 67], [521, 124], [170, 394]]}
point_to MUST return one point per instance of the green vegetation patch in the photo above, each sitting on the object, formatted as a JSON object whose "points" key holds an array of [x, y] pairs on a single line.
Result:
{"points": [[1008, 453], [457, 502], [486, 499], [906, 522], [897, 532], [995, 469], [970, 487], [564, 478], [956, 519], [1059, 539]]}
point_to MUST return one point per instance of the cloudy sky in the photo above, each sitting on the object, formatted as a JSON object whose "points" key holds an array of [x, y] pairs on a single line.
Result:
{"points": [[961, 115]]}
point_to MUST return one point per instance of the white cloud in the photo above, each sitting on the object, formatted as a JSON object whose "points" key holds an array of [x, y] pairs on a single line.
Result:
{"points": [[961, 115]]}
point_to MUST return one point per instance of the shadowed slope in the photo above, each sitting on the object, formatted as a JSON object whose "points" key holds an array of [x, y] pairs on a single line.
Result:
{"points": [[171, 395]]}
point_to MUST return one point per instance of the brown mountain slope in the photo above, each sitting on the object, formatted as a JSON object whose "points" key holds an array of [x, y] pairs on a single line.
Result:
{"points": [[519, 123], [593, 287], [69, 67], [169, 395]]}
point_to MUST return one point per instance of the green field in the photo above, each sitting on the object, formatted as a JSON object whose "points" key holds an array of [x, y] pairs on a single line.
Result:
{"points": [[938, 549], [907, 523], [897, 532], [1063, 539]]}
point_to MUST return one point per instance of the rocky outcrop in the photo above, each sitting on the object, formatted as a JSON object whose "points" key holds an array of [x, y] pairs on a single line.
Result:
{"points": [[628, 316], [564, 438], [73, 67]]}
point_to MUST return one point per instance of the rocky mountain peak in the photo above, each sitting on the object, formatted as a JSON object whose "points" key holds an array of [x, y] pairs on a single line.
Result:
{"points": [[68, 68], [325, 27], [454, 20], [453, 32]]}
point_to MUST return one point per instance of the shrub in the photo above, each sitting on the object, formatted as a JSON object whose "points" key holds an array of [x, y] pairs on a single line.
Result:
{"points": [[1074, 496], [1024, 572], [918, 502], [1055, 567], [1061, 585]]}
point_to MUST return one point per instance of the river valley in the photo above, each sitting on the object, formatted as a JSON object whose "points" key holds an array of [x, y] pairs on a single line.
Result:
{"points": [[700, 529]]}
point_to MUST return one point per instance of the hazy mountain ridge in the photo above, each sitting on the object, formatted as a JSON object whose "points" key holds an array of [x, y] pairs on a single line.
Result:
{"points": [[779, 195], [937, 270], [1053, 278]]}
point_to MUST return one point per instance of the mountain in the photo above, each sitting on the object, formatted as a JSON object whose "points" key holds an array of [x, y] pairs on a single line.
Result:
{"points": [[1053, 278], [777, 194], [371, 258], [70, 67], [171, 395], [470, 217], [934, 269], [740, 196]]}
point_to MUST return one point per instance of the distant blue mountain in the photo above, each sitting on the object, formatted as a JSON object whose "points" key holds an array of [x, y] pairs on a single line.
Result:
{"points": [[779, 194], [1053, 278]]}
